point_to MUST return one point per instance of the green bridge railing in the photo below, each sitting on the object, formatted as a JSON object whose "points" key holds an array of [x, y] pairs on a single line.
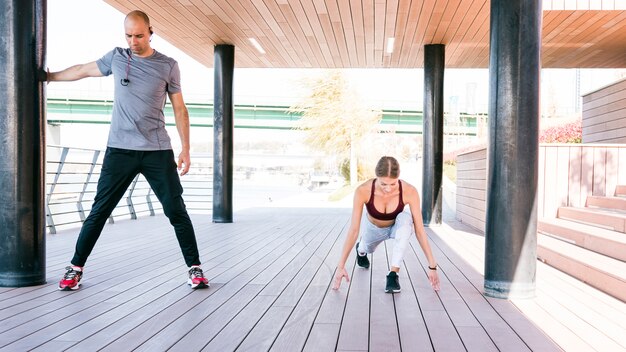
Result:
{"points": [[62, 111]]}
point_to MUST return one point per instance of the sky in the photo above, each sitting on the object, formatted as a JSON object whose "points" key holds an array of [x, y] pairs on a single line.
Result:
{"points": [[81, 31]]}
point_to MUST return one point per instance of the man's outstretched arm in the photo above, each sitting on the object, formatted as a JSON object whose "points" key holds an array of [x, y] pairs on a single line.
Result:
{"points": [[75, 72]]}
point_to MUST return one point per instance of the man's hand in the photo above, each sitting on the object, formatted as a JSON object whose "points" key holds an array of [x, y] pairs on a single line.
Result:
{"points": [[339, 275], [43, 75], [184, 161]]}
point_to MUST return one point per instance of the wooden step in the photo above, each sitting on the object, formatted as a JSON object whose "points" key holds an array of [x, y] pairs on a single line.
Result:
{"points": [[620, 190], [593, 238], [617, 203], [610, 219], [606, 274]]}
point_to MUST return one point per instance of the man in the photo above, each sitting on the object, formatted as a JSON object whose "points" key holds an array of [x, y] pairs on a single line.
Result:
{"points": [[138, 142]]}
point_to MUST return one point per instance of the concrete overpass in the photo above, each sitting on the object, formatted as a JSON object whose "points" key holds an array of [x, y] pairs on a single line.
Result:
{"points": [[62, 111]]}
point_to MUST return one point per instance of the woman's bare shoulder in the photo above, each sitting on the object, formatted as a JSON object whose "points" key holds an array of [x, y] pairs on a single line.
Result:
{"points": [[367, 185], [408, 189], [364, 188], [407, 185]]}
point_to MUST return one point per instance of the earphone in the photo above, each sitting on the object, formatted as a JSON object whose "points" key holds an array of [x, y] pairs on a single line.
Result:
{"points": [[125, 81]]}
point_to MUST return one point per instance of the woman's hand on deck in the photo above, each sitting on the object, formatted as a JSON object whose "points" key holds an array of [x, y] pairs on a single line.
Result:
{"points": [[339, 275], [433, 277]]}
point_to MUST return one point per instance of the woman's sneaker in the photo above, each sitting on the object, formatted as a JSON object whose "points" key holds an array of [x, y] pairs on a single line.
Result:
{"points": [[393, 283], [196, 278], [71, 279], [361, 260]]}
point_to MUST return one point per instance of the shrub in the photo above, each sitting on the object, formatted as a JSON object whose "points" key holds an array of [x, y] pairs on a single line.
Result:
{"points": [[571, 132]]}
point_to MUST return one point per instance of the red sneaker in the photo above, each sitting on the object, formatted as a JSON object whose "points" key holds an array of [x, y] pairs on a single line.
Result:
{"points": [[71, 279], [196, 278]]}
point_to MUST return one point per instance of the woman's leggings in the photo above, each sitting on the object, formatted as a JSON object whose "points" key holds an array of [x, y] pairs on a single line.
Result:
{"points": [[401, 231]]}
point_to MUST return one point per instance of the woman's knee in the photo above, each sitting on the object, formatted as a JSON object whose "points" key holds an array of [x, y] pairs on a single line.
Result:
{"points": [[369, 241], [404, 219]]}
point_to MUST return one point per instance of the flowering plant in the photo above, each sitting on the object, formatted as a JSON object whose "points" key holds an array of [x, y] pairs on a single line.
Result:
{"points": [[571, 132]]}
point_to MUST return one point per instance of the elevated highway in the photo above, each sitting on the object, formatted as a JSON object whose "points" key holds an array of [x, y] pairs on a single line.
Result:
{"points": [[65, 111]]}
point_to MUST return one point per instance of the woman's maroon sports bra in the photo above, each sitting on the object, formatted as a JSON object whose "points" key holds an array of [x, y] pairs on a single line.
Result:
{"points": [[371, 209]]}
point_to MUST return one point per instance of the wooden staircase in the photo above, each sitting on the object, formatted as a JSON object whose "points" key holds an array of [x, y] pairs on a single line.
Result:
{"points": [[589, 243]]}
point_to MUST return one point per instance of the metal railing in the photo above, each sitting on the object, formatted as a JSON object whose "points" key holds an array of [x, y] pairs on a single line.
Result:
{"points": [[71, 180]]}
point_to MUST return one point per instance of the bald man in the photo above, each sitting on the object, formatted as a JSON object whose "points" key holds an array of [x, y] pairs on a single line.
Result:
{"points": [[138, 143]]}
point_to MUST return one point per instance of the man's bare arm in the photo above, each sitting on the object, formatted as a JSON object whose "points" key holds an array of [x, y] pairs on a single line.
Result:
{"points": [[75, 72], [181, 115]]}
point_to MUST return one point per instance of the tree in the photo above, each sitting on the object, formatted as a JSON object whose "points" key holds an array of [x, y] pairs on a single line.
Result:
{"points": [[334, 119]]}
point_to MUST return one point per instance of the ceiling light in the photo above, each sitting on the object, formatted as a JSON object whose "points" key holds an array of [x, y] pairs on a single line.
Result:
{"points": [[390, 42], [256, 45]]}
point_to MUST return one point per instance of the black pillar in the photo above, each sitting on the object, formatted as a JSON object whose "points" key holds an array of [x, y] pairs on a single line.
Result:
{"points": [[22, 143], [434, 65], [224, 65], [511, 224]]}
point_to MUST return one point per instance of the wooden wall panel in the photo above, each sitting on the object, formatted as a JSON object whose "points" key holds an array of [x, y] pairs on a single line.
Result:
{"points": [[550, 197], [470, 189], [612, 136], [619, 103], [604, 114], [574, 198], [599, 173], [611, 121], [586, 182], [568, 173], [621, 167], [611, 170], [562, 173], [473, 193], [599, 93]]}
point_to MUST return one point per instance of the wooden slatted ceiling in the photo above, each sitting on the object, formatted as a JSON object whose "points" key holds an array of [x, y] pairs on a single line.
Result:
{"points": [[354, 33]]}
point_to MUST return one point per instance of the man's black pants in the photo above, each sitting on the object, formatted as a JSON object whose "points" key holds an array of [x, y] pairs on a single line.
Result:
{"points": [[119, 168]]}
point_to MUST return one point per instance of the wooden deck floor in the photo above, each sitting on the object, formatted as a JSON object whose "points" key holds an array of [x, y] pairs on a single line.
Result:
{"points": [[270, 274]]}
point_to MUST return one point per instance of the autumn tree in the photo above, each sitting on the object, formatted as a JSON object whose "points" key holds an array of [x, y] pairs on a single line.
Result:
{"points": [[334, 118]]}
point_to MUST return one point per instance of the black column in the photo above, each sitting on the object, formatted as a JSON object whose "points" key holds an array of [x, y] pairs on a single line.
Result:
{"points": [[224, 65], [434, 65], [511, 224], [22, 143]]}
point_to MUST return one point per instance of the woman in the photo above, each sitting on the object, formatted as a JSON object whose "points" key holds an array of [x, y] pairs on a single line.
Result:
{"points": [[384, 198]]}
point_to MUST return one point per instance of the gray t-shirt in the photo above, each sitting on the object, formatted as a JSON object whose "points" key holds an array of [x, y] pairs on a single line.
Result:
{"points": [[137, 121]]}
